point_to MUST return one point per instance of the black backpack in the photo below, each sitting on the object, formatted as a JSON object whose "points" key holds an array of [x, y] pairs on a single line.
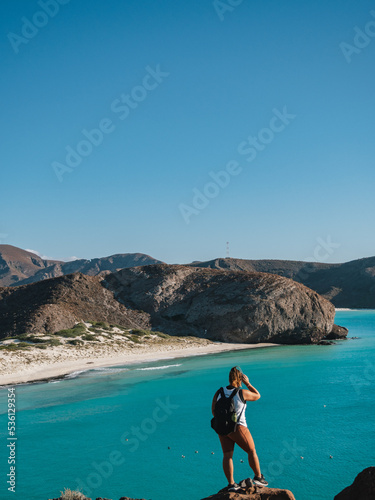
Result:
{"points": [[225, 419]]}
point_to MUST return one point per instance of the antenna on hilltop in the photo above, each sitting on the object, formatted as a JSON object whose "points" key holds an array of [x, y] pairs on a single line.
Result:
{"points": [[227, 254]]}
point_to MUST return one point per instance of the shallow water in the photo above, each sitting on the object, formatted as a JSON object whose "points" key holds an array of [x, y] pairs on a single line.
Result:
{"points": [[109, 430]]}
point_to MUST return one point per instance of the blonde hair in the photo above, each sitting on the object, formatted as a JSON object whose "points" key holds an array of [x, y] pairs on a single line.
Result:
{"points": [[235, 375]]}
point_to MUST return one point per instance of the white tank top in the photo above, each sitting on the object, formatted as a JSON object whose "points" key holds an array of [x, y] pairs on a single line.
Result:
{"points": [[239, 405]]}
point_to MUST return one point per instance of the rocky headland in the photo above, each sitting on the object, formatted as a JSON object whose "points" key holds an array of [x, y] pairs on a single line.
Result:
{"points": [[227, 306]]}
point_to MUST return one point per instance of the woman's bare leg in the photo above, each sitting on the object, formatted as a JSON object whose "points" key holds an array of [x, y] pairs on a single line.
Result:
{"points": [[228, 466], [252, 456], [254, 462]]}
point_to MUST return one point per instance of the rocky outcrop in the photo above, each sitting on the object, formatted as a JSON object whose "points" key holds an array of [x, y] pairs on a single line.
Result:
{"points": [[337, 333], [98, 498], [351, 284], [248, 492], [222, 305], [21, 267], [363, 487], [251, 492]]}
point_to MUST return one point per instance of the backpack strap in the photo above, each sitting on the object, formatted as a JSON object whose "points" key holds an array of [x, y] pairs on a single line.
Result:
{"points": [[241, 396], [233, 393], [243, 409], [222, 394]]}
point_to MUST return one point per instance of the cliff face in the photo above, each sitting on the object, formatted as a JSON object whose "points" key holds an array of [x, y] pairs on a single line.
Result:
{"points": [[351, 284], [224, 305], [363, 487]]}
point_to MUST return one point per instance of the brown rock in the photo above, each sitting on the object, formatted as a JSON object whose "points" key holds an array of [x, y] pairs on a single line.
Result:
{"points": [[128, 498], [363, 487], [337, 333], [252, 492]]}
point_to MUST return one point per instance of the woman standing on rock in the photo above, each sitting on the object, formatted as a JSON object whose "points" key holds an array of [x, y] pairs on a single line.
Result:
{"points": [[241, 434]]}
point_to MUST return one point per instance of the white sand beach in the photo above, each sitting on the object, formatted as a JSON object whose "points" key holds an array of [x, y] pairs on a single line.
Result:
{"points": [[36, 364]]}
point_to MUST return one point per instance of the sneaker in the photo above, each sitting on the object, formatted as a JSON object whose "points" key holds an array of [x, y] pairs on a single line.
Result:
{"points": [[233, 487], [260, 481]]}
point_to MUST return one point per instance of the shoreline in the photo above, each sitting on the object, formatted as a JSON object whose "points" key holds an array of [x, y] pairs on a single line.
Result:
{"points": [[354, 309], [52, 370]]}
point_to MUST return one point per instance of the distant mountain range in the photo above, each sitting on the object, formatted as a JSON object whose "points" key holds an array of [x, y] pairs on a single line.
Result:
{"points": [[351, 284], [21, 267]]}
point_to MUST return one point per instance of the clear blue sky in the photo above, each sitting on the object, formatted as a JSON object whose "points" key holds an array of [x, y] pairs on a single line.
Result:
{"points": [[220, 76]]}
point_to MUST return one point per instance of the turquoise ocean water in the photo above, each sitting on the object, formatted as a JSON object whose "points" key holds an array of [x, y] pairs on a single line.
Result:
{"points": [[122, 431]]}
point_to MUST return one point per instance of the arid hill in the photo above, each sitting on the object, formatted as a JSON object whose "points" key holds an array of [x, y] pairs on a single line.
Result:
{"points": [[178, 300], [351, 284], [19, 267], [232, 306], [52, 305]]}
